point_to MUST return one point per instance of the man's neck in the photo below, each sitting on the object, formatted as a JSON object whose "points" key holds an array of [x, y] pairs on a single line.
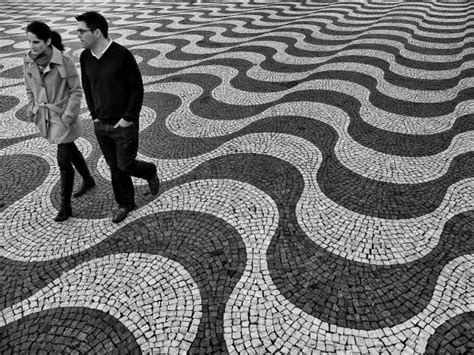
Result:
{"points": [[99, 47]]}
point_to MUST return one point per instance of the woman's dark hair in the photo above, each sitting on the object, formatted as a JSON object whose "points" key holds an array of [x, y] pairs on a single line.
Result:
{"points": [[95, 21], [43, 32], [57, 41]]}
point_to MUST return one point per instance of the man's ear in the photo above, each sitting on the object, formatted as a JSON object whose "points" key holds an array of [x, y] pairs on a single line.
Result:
{"points": [[48, 42]]}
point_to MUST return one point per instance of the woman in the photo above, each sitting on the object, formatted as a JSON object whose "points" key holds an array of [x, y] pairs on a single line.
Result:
{"points": [[54, 99]]}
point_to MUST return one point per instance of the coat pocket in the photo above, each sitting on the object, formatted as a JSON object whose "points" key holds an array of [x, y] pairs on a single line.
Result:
{"points": [[58, 126], [41, 124], [59, 132]]}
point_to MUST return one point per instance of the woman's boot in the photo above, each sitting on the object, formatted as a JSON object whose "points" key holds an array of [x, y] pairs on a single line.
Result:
{"points": [[67, 182], [87, 183], [80, 164]]}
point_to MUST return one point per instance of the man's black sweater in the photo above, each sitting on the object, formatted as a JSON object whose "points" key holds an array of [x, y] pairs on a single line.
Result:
{"points": [[112, 84]]}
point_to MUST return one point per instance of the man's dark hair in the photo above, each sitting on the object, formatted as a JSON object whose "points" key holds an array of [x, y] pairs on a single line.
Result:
{"points": [[95, 21]]}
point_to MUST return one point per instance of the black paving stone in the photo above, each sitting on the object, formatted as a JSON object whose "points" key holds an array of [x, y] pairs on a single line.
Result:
{"points": [[16, 181], [455, 336], [67, 335]]}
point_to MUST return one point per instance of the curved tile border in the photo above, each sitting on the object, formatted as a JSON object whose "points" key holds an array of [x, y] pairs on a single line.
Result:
{"points": [[275, 325], [20, 175], [454, 336], [349, 152], [122, 285], [415, 236], [209, 249], [65, 330], [339, 289]]}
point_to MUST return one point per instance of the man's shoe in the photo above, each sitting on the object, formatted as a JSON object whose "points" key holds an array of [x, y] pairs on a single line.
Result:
{"points": [[122, 213], [154, 184], [86, 185]]}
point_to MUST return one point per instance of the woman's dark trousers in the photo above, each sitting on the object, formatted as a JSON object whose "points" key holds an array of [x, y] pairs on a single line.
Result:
{"points": [[68, 155]]}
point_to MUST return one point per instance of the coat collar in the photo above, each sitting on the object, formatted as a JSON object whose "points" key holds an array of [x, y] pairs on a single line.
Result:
{"points": [[56, 58], [28, 59]]}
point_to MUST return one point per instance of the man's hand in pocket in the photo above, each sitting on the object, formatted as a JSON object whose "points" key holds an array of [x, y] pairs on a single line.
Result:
{"points": [[123, 123]]}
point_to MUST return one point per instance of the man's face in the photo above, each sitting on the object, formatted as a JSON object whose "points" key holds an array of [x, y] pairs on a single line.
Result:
{"points": [[87, 37]]}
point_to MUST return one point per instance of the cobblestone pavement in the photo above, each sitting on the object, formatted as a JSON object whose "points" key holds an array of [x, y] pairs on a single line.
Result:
{"points": [[317, 191]]}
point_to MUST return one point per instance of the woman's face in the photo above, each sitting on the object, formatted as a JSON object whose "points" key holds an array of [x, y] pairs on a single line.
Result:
{"points": [[37, 46]]}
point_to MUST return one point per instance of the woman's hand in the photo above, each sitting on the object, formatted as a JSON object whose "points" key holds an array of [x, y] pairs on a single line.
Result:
{"points": [[68, 120]]}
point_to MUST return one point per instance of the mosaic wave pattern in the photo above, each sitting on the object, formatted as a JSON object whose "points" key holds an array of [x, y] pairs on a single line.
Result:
{"points": [[317, 168]]}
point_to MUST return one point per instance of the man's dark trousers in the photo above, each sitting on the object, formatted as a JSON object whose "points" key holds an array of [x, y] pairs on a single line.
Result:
{"points": [[119, 147]]}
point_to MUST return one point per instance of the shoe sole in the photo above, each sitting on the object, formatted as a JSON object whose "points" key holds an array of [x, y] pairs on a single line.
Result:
{"points": [[77, 194]]}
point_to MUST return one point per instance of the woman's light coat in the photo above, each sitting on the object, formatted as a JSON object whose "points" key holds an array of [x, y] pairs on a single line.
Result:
{"points": [[54, 98]]}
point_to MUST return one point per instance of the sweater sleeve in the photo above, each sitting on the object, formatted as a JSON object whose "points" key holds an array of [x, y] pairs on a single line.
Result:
{"points": [[134, 82], [86, 86], [75, 91]]}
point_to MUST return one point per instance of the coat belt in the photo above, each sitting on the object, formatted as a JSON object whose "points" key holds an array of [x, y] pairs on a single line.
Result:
{"points": [[53, 107]]}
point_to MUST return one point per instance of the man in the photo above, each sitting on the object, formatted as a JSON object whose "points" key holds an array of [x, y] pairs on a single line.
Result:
{"points": [[113, 89]]}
